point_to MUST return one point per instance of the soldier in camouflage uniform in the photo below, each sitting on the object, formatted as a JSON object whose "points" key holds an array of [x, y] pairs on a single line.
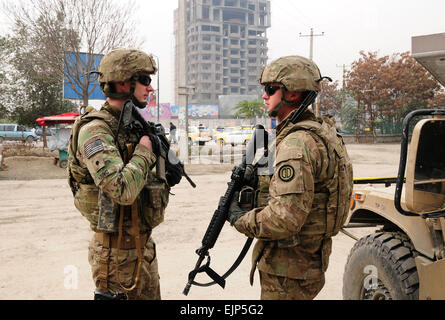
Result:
{"points": [[309, 191], [110, 174]]}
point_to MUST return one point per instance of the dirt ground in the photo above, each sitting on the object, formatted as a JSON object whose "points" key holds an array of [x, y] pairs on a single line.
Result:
{"points": [[45, 240]]}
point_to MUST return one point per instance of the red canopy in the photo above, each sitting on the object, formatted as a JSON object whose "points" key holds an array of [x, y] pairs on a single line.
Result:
{"points": [[68, 117]]}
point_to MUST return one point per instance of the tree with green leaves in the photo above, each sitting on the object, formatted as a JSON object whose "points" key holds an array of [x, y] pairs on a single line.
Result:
{"points": [[250, 109]]}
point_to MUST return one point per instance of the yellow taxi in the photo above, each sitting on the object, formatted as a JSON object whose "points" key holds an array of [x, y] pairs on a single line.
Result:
{"points": [[234, 136], [199, 135]]}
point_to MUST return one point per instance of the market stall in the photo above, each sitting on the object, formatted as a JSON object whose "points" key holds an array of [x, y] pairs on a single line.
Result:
{"points": [[60, 140]]}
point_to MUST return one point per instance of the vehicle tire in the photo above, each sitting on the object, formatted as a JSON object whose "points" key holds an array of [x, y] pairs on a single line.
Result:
{"points": [[63, 163], [2, 140], [381, 266], [29, 139], [201, 143]]}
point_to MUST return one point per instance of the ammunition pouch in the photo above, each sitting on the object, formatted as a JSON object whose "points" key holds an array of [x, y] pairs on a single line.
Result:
{"points": [[257, 197], [247, 198], [108, 219], [262, 192], [85, 200], [155, 198]]}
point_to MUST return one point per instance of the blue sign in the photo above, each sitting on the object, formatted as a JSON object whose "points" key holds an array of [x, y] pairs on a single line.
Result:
{"points": [[73, 64]]}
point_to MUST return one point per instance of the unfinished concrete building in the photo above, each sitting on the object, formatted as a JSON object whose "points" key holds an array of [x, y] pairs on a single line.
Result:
{"points": [[220, 46]]}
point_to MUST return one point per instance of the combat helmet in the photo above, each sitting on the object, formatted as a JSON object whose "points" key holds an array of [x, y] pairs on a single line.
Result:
{"points": [[121, 65], [295, 74]]}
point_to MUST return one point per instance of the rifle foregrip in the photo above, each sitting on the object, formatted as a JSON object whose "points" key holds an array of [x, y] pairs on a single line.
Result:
{"points": [[214, 229]]}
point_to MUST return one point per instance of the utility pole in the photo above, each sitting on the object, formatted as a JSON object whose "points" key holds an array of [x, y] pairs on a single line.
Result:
{"points": [[311, 35], [183, 138], [344, 74], [343, 84], [311, 56], [157, 91]]}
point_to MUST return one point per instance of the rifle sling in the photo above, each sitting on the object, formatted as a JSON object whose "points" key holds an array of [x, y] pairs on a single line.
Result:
{"points": [[135, 223], [217, 279]]}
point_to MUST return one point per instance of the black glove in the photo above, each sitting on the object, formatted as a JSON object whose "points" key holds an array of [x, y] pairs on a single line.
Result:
{"points": [[173, 174], [155, 143], [235, 212]]}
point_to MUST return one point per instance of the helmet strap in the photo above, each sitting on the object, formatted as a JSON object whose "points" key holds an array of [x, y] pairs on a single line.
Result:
{"points": [[136, 102], [273, 113], [109, 89]]}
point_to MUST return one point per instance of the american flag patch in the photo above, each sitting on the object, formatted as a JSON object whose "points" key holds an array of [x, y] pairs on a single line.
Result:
{"points": [[93, 148]]}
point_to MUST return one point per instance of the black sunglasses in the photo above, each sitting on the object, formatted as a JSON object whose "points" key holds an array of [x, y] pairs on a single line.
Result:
{"points": [[144, 80], [270, 90]]}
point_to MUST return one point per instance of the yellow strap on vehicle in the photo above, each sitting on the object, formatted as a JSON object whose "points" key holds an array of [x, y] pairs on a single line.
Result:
{"points": [[365, 180]]}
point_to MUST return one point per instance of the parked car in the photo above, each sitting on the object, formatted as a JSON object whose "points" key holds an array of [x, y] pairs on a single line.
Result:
{"points": [[49, 132], [217, 131], [15, 132], [234, 136], [199, 135]]}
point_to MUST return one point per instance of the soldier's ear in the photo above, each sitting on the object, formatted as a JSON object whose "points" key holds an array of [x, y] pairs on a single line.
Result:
{"points": [[293, 96], [121, 86]]}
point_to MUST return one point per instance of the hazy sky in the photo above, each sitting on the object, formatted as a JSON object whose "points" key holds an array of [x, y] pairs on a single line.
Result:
{"points": [[349, 26]]}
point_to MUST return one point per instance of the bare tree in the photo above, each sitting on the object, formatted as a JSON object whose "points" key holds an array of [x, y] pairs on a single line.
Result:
{"points": [[67, 36]]}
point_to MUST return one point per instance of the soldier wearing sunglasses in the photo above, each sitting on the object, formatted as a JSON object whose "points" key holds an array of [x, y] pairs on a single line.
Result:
{"points": [[309, 191], [110, 175]]}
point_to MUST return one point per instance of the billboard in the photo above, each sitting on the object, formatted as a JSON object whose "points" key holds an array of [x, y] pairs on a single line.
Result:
{"points": [[150, 113], [198, 111], [73, 64]]}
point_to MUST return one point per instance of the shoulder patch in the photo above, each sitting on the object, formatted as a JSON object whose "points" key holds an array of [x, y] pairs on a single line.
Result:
{"points": [[286, 173], [92, 148]]}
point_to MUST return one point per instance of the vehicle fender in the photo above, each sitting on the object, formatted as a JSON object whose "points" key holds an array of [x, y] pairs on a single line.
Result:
{"points": [[377, 206]]}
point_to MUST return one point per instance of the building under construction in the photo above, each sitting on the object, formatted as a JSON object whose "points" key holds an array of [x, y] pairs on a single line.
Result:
{"points": [[220, 46]]}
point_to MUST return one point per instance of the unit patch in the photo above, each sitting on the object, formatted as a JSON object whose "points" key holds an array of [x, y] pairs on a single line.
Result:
{"points": [[92, 148], [286, 173]]}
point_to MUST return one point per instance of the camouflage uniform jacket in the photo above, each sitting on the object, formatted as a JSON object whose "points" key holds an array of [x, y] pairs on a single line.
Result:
{"points": [[291, 229], [100, 166]]}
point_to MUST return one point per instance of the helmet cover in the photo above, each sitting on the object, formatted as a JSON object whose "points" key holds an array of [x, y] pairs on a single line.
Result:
{"points": [[119, 65], [296, 73]]}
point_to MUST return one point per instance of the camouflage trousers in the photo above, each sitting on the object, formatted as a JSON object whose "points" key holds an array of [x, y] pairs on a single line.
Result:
{"points": [[148, 287], [282, 288]]}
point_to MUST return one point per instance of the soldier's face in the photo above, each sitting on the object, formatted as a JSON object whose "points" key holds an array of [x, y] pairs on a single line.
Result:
{"points": [[142, 91], [272, 100]]}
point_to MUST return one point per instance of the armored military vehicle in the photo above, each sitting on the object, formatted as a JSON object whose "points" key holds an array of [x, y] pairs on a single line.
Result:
{"points": [[405, 257]]}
